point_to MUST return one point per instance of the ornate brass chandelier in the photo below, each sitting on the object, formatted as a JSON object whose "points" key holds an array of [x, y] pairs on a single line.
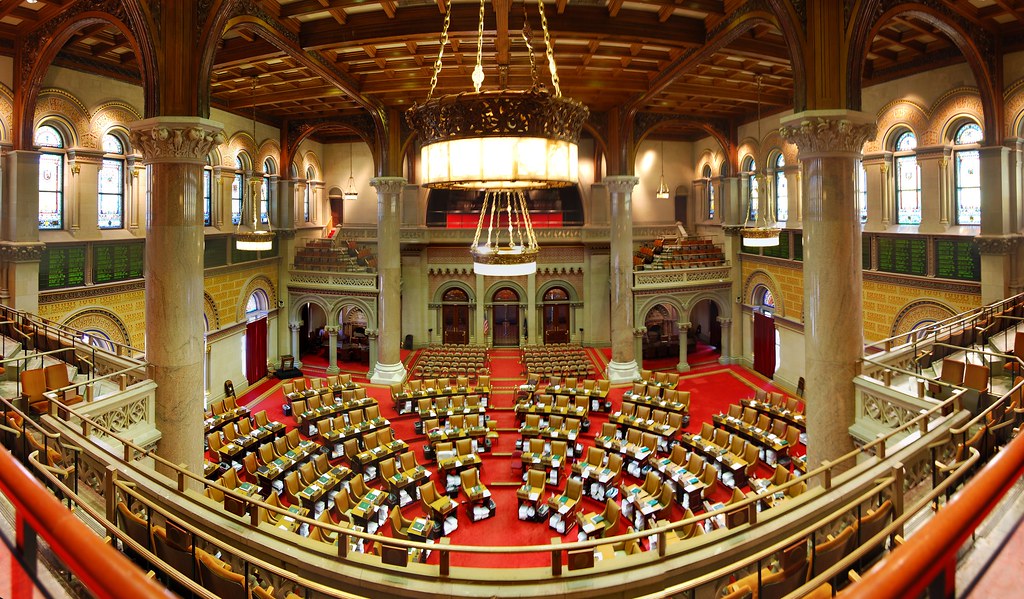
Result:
{"points": [[663, 192], [765, 234], [503, 142], [257, 240]]}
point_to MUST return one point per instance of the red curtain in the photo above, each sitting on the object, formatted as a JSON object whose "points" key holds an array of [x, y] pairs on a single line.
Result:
{"points": [[764, 344], [256, 350]]}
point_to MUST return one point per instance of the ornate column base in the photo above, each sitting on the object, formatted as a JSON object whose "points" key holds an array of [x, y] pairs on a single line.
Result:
{"points": [[683, 367], [332, 369], [622, 372], [387, 374]]}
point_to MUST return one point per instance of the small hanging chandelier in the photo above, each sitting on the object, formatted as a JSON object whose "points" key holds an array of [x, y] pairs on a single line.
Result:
{"points": [[502, 142], [766, 234], [350, 192], [663, 192], [257, 240]]}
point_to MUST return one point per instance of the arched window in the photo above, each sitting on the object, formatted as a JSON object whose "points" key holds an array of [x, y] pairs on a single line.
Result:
{"points": [[908, 180], [710, 186], [310, 175], [258, 302], [98, 338], [752, 191], [111, 184], [767, 300], [238, 190], [51, 177], [862, 191], [268, 169], [781, 190], [207, 193], [967, 174]]}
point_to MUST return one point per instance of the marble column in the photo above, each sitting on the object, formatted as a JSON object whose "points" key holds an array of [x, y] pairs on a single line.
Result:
{"points": [[373, 343], [21, 251], [684, 332], [638, 347], [174, 150], [294, 327], [622, 368], [332, 350], [993, 242], [876, 167], [389, 368], [726, 349], [478, 316], [830, 145], [533, 314], [733, 243]]}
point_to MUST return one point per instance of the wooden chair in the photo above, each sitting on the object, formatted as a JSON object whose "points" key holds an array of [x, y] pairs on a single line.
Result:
{"points": [[175, 549], [829, 553], [57, 378], [33, 387], [399, 524], [216, 576], [610, 518]]}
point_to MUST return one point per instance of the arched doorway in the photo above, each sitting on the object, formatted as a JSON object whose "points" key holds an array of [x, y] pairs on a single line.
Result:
{"points": [[505, 318], [556, 309], [256, 336], [662, 338], [353, 344], [455, 316], [767, 356], [312, 337], [705, 330]]}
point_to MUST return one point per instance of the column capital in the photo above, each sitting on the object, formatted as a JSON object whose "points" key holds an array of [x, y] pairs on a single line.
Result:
{"points": [[295, 326], [388, 184], [620, 183], [732, 230], [177, 139], [725, 322], [331, 331], [13, 251], [821, 133], [684, 325], [372, 333]]}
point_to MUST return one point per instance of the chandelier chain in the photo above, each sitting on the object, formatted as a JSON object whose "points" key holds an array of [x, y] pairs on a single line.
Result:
{"points": [[550, 50], [478, 72], [528, 39], [440, 51]]}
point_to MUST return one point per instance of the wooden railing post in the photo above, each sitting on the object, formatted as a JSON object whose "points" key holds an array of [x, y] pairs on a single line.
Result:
{"points": [[109, 494], [826, 483], [444, 563], [556, 557]]}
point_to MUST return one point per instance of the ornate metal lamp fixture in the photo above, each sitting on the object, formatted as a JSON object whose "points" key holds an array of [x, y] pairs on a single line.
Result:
{"points": [[765, 234], [502, 141], [350, 192], [257, 240], [663, 192]]}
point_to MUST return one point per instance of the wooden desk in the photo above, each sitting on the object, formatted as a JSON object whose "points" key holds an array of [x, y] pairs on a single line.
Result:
{"points": [[366, 510], [421, 529]]}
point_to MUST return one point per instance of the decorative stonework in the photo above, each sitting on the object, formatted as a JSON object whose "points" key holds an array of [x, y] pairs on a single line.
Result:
{"points": [[996, 246], [176, 139], [12, 251], [620, 183], [918, 311], [6, 111], [101, 320], [257, 282], [947, 110], [895, 114], [210, 311], [760, 278], [388, 185], [828, 133], [111, 114], [58, 102]]}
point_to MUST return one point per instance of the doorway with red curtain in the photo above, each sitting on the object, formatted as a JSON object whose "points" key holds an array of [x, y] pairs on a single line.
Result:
{"points": [[764, 344], [256, 349]]}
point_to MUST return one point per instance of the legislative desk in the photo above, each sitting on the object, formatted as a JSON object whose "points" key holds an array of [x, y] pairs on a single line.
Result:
{"points": [[666, 432], [368, 509], [445, 413], [791, 418], [689, 488], [636, 501], [449, 434], [288, 522], [547, 410], [639, 453], [751, 433], [335, 438], [670, 401], [408, 399], [456, 464], [268, 473], [724, 460], [219, 421], [372, 457], [401, 481], [322, 487], [310, 417], [236, 449], [546, 461]]}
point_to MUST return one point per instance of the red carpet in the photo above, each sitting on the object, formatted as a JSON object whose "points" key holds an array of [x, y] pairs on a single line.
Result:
{"points": [[713, 388]]}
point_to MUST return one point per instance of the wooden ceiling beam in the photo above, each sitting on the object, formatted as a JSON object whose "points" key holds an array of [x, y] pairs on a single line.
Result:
{"points": [[302, 94]]}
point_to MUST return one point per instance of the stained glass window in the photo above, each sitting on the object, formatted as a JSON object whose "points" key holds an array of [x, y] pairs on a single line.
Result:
{"points": [[268, 169], [310, 175], [908, 180], [967, 164], [710, 186], [781, 190], [51, 177], [207, 193], [237, 191], [768, 300], [111, 184], [862, 191], [752, 191]]}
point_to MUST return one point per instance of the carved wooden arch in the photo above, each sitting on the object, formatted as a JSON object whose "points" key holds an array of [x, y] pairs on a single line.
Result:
{"points": [[309, 159], [268, 149], [112, 114], [443, 288], [1015, 109], [6, 113], [368, 308], [296, 132], [256, 282], [569, 288], [951, 109], [101, 319], [977, 45], [40, 46], [790, 17], [896, 115], [499, 285], [211, 312], [240, 142], [646, 127], [761, 278], [72, 113], [917, 310]]}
